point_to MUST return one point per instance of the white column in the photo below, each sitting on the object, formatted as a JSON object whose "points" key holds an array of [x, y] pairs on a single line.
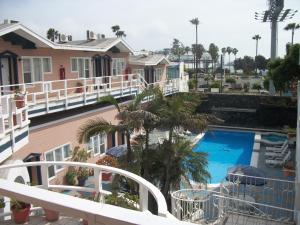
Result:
{"points": [[143, 198], [44, 172]]}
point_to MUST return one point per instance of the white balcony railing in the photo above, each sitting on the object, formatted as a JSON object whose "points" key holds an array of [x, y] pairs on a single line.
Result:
{"points": [[13, 125], [76, 207], [45, 97]]}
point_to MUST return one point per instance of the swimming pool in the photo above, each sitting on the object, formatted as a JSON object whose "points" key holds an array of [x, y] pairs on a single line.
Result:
{"points": [[225, 149], [273, 137]]}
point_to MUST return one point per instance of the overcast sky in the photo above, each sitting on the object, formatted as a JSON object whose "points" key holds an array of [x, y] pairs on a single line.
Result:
{"points": [[152, 24]]}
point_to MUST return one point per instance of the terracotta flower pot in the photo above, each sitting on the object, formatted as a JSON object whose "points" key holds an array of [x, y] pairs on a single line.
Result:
{"points": [[51, 215], [20, 103], [288, 172], [21, 215], [106, 176]]}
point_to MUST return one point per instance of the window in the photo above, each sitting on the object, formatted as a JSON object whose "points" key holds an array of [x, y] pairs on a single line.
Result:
{"points": [[81, 66], [118, 66], [139, 71], [157, 74], [61, 153], [97, 143], [35, 67]]}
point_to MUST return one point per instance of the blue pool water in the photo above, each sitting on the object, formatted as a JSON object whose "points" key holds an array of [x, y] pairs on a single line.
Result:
{"points": [[225, 149], [274, 137]]}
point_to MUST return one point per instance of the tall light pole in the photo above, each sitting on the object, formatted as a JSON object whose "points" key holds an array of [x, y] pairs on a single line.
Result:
{"points": [[273, 15], [195, 22], [256, 38]]}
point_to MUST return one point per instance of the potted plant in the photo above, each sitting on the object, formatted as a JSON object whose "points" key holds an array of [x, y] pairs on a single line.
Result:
{"points": [[20, 211], [107, 160], [79, 87], [2, 204], [82, 176], [71, 176], [289, 169], [19, 99], [51, 215], [291, 132]]}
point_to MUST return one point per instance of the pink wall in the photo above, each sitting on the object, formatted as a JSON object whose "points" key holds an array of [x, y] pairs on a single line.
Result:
{"points": [[59, 57]]}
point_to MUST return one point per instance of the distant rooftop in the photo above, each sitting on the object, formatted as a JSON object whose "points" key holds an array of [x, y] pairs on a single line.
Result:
{"points": [[148, 60]]}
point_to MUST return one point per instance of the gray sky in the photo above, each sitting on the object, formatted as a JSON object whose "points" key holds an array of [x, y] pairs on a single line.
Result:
{"points": [[152, 24]]}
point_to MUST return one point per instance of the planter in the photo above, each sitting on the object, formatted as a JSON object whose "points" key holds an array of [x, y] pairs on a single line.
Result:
{"points": [[20, 103], [81, 181], [79, 90], [21, 215], [51, 215], [106, 176], [85, 222]]}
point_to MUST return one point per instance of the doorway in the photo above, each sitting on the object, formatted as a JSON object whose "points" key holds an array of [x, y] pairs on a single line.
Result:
{"points": [[8, 71], [34, 171]]}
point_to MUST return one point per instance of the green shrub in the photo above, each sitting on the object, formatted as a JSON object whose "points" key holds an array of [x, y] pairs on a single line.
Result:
{"points": [[256, 86], [71, 176], [127, 201], [230, 80], [215, 84]]}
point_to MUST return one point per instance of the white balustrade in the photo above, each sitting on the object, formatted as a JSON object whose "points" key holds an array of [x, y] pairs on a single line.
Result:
{"points": [[145, 187]]}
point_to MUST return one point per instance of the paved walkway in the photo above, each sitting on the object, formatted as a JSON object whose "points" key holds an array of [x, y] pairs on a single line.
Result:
{"points": [[40, 220]]}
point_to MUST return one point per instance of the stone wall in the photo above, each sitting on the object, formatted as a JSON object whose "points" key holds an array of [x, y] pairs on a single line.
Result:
{"points": [[251, 110]]}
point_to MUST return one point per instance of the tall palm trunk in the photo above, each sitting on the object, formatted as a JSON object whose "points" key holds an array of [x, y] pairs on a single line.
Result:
{"points": [[129, 150], [293, 30], [145, 167]]}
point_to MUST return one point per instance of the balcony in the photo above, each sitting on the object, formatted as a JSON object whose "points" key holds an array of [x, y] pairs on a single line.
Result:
{"points": [[75, 208], [14, 125], [53, 96]]}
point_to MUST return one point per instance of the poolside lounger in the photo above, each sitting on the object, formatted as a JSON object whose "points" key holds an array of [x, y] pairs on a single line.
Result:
{"points": [[278, 148], [277, 154], [278, 161]]}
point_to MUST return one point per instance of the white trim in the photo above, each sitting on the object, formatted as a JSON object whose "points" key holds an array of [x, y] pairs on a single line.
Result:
{"points": [[18, 26]]}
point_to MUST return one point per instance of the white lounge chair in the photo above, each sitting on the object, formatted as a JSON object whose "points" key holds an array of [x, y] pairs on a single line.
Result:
{"points": [[278, 161], [277, 154], [278, 148]]}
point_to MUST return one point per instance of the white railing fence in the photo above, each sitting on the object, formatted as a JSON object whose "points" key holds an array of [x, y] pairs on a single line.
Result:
{"points": [[144, 186], [275, 192], [203, 206]]}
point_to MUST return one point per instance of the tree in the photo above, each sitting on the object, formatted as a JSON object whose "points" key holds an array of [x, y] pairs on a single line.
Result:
{"points": [[187, 49], [230, 80], [256, 38], [256, 86], [246, 64], [195, 21], [223, 50], [285, 71], [177, 113], [178, 48], [130, 117], [229, 50], [214, 52], [292, 27], [52, 34], [261, 62], [117, 31], [234, 52]]}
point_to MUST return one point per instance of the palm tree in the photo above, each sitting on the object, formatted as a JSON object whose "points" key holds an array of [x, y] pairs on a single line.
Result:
{"points": [[120, 33], [177, 113], [115, 28], [234, 51], [196, 22], [256, 38], [229, 50], [213, 51], [187, 49], [52, 34], [223, 50], [130, 117], [293, 27]]}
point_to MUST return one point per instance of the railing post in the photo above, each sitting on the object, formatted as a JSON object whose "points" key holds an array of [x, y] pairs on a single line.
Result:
{"points": [[47, 101], [44, 172], [122, 85], [143, 191], [66, 93], [84, 90], [110, 83], [98, 182]]}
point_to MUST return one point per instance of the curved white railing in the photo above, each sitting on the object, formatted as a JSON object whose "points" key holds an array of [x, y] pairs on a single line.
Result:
{"points": [[144, 185]]}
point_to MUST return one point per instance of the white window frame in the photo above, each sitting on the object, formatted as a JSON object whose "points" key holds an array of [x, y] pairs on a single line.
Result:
{"points": [[84, 66], [141, 72], [90, 144], [32, 66], [156, 70], [61, 147], [117, 62]]}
